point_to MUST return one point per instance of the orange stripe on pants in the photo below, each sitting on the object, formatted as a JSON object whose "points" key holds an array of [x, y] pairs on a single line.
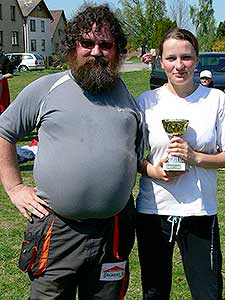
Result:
{"points": [[45, 250]]}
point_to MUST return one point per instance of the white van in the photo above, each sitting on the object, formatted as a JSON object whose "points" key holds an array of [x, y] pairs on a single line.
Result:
{"points": [[26, 61]]}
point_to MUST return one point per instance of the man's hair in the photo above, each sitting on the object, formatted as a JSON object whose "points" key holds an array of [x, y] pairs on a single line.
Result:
{"points": [[83, 22], [179, 34]]}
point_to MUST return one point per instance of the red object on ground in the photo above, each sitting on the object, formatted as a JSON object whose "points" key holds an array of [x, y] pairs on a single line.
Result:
{"points": [[34, 142]]}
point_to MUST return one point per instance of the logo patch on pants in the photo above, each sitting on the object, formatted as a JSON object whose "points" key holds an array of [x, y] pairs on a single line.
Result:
{"points": [[113, 271]]}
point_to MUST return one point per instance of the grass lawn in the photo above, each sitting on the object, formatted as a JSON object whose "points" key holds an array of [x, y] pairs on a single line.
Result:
{"points": [[14, 284]]}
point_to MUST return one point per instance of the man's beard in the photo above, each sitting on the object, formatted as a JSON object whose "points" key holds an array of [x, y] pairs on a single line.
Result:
{"points": [[95, 74]]}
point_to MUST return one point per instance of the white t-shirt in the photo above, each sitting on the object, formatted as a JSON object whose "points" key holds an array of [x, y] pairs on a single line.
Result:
{"points": [[195, 192]]}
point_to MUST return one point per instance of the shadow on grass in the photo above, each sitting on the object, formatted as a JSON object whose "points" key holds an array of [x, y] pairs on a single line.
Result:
{"points": [[26, 168], [29, 137]]}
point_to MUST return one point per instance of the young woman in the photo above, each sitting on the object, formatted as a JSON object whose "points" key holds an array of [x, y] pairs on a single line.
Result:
{"points": [[181, 206]]}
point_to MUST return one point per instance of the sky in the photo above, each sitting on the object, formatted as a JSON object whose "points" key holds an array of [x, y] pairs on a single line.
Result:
{"points": [[70, 6]]}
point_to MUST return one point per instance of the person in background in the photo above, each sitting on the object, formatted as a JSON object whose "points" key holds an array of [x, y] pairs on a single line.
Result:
{"points": [[181, 206], [81, 213], [147, 59], [6, 72], [206, 78]]}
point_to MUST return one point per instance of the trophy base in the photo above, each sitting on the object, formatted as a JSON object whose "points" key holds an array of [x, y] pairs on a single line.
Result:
{"points": [[174, 166]]}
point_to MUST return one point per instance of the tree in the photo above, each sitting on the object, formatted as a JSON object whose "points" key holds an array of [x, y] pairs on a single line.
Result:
{"points": [[139, 18], [179, 12], [161, 26], [204, 21], [219, 45], [220, 32]]}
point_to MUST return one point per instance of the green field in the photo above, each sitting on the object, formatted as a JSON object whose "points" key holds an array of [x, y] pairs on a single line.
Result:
{"points": [[14, 284]]}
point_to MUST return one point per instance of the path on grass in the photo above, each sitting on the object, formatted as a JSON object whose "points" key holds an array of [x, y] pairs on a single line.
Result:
{"points": [[130, 66]]}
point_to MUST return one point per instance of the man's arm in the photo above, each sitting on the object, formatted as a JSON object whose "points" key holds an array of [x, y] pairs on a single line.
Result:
{"points": [[22, 196], [7, 76]]}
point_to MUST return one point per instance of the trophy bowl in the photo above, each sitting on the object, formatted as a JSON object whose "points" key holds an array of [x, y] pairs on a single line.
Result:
{"points": [[175, 127]]}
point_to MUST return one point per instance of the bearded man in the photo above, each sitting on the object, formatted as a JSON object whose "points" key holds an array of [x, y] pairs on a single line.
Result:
{"points": [[80, 214]]}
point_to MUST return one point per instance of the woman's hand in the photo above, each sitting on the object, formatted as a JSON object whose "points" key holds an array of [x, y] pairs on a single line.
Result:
{"points": [[180, 148], [157, 172]]}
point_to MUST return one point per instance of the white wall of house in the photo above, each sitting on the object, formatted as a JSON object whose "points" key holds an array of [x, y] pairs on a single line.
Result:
{"points": [[41, 36]]}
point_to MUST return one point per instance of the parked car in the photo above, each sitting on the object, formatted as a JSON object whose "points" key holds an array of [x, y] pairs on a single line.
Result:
{"points": [[26, 61], [212, 61]]}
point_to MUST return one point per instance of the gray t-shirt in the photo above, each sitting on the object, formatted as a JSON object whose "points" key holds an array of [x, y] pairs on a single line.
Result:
{"points": [[89, 145]]}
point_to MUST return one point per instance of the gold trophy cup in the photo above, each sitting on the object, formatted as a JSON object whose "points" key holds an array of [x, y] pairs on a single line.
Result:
{"points": [[174, 127]]}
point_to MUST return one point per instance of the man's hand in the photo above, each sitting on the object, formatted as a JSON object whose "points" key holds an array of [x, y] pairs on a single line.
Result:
{"points": [[27, 202]]}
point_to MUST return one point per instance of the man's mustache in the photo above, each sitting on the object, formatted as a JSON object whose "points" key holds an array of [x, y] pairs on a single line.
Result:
{"points": [[97, 61]]}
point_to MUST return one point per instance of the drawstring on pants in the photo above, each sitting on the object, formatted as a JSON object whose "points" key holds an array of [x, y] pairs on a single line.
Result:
{"points": [[174, 220]]}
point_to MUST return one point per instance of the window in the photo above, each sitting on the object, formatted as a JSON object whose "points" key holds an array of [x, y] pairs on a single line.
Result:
{"points": [[42, 26], [1, 38], [60, 32], [38, 56], [13, 13], [32, 25], [15, 38], [39, 8], [42, 45], [27, 56], [0, 11], [33, 45], [210, 62], [16, 58]]}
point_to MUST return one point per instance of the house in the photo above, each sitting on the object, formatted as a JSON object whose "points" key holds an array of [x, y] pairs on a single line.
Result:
{"points": [[57, 29], [29, 26], [11, 26], [37, 26]]}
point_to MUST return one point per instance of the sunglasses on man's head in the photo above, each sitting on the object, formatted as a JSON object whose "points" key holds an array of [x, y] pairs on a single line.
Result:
{"points": [[90, 44]]}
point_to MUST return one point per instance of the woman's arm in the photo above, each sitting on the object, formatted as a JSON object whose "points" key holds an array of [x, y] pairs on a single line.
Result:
{"points": [[179, 147], [209, 161]]}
